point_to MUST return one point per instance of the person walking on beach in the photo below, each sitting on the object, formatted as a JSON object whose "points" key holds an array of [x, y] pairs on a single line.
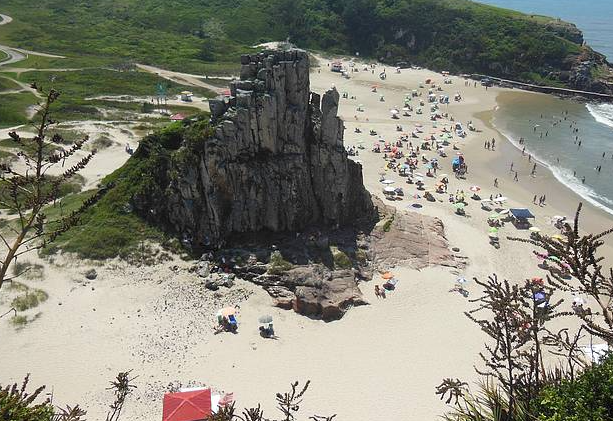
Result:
{"points": [[511, 170], [515, 178], [495, 182], [533, 173], [534, 199], [493, 143], [543, 201]]}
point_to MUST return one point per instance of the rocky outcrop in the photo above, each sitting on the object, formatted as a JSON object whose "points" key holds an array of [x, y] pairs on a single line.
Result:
{"points": [[275, 161], [413, 239]]}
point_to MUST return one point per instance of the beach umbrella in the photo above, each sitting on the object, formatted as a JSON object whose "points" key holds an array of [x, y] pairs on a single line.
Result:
{"points": [[419, 125], [187, 406], [493, 230], [388, 182], [475, 189], [500, 199], [493, 235], [534, 229], [558, 237], [265, 319], [394, 112], [461, 280], [459, 205], [418, 178], [406, 109], [228, 311], [494, 216], [389, 190], [387, 275]]}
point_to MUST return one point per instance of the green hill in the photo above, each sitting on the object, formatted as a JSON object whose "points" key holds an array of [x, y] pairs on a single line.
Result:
{"points": [[204, 35]]}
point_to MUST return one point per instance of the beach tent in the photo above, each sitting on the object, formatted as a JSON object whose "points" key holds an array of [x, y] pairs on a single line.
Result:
{"points": [[187, 406], [177, 117], [521, 213]]}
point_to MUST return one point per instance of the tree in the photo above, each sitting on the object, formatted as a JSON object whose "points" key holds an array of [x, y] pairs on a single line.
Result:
{"points": [[575, 266], [27, 187]]}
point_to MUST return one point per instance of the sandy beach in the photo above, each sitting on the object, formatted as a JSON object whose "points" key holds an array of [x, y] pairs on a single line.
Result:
{"points": [[381, 361]]}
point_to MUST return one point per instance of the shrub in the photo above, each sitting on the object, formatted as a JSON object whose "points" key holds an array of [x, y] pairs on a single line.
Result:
{"points": [[18, 405], [278, 264], [590, 397], [29, 270], [29, 300], [341, 260]]}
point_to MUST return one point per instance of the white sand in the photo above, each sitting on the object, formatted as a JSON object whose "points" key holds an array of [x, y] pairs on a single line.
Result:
{"points": [[380, 361]]}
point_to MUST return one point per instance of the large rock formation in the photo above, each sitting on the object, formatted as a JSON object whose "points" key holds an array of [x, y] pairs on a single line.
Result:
{"points": [[275, 161]]}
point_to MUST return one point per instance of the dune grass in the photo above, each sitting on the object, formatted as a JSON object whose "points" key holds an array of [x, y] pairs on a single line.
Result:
{"points": [[13, 108], [7, 84], [30, 299]]}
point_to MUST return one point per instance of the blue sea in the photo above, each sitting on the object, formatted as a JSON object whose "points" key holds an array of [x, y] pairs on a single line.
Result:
{"points": [[559, 150]]}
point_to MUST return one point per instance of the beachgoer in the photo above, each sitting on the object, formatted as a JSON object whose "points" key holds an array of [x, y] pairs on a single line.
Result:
{"points": [[534, 199], [495, 182], [515, 177], [377, 291]]}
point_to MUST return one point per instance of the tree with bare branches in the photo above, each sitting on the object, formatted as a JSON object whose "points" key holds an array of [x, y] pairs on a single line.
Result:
{"points": [[575, 266], [27, 187]]}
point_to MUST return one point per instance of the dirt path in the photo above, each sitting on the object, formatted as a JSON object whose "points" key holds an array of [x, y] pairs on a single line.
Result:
{"points": [[181, 78]]}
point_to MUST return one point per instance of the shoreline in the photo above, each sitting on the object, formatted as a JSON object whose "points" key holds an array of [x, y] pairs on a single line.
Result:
{"points": [[158, 320], [561, 198]]}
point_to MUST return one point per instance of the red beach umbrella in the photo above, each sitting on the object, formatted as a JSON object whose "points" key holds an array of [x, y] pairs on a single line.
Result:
{"points": [[187, 406]]}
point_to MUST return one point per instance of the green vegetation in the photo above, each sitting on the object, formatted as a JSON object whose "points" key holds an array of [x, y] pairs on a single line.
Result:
{"points": [[206, 37], [7, 84], [19, 321], [340, 258], [590, 397], [13, 108], [111, 227], [387, 225], [31, 299], [18, 404], [278, 264], [28, 270]]}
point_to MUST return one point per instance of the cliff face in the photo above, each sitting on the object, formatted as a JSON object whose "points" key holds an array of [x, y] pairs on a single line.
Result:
{"points": [[275, 161]]}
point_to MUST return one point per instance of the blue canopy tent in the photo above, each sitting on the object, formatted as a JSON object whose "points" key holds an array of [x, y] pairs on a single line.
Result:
{"points": [[521, 213]]}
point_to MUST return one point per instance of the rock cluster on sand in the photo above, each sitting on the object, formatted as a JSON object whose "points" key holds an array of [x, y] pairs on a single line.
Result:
{"points": [[274, 163]]}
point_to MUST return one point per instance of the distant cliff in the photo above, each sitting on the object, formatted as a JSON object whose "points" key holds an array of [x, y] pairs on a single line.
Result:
{"points": [[272, 161]]}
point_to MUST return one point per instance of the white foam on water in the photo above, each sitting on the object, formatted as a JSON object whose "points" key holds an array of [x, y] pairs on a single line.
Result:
{"points": [[566, 177], [602, 113]]}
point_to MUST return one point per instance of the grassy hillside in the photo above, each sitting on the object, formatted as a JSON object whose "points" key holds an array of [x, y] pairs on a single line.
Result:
{"points": [[206, 36]]}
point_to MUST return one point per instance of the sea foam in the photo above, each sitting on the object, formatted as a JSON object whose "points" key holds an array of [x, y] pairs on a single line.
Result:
{"points": [[602, 113], [565, 176]]}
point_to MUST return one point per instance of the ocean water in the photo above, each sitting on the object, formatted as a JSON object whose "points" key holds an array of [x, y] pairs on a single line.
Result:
{"points": [[559, 150], [553, 142], [593, 17]]}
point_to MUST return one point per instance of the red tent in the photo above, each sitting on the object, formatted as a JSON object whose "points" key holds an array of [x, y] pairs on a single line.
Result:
{"points": [[177, 117], [187, 406]]}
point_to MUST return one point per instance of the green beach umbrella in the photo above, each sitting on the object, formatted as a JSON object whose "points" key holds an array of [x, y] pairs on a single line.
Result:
{"points": [[494, 215], [493, 230], [459, 205]]}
